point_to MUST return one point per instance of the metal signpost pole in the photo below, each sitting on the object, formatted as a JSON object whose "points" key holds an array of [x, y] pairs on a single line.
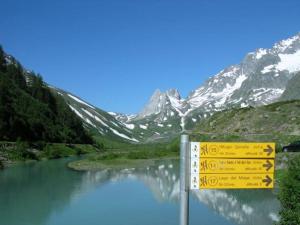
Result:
{"points": [[184, 180]]}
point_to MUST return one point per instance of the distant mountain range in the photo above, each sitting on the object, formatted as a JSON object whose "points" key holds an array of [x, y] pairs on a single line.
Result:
{"points": [[263, 77]]}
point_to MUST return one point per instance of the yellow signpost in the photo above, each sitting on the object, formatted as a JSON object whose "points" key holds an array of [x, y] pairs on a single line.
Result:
{"points": [[217, 165], [225, 165], [230, 181], [235, 150]]}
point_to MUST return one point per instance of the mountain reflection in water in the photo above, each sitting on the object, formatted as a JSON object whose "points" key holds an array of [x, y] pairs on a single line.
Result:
{"points": [[32, 193], [245, 207]]}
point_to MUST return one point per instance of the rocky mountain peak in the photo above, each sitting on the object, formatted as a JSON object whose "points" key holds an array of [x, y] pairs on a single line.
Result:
{"points": [[163, 103], [173, 93], [154, 105], [157, 93]]}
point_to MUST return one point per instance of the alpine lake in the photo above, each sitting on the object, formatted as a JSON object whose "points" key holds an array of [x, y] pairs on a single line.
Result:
{"points": [[49, 193]]}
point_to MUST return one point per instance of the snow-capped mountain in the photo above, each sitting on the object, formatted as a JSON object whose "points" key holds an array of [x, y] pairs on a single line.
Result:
{"points": [[260, 79], [166, 104], [158, 120]]}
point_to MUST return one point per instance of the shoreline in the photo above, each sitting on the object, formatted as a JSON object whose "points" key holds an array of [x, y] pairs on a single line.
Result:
{"points": [[11, 157], [120, 163]]}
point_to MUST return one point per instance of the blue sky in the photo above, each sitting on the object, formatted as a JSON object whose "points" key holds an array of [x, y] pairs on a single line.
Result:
{"points": [[115, 53]]}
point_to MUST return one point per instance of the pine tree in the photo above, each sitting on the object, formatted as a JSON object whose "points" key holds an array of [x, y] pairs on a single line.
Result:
{"points": [[16, 74], [2, 59]]}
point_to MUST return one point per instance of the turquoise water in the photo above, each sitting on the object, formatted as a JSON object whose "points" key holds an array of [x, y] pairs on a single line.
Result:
{"points": [[48, 193]]}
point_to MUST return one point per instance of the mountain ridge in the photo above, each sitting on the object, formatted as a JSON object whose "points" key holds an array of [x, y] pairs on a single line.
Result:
{"points": [[260, 79]]}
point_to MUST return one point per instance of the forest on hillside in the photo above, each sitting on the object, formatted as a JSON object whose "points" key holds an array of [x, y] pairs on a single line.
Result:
{"points": [[29, 111]]}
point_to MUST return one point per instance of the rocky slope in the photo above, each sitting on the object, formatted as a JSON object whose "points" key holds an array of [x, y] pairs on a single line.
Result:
{"points": [[292, 90], [278, 122]]}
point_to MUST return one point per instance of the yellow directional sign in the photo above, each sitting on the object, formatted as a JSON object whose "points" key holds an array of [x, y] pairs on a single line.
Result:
{"points": [[235, 181], [234, 150], [226, 165], [217, 165]]}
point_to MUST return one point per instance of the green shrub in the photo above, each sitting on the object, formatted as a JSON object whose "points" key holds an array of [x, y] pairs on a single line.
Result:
{"points": [[148, 154], [39, 145], [55, 151], [52, 153], [99, 145], [138, 155], [109, 156], [289, 194], [79, 151]]}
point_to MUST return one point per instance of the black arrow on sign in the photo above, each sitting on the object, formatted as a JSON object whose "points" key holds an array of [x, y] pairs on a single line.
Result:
{"points": [[269, 150], [268, 180], [268, 165]]}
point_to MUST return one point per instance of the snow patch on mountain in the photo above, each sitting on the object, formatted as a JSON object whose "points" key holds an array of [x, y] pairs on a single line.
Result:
{"points": [[228, 91], [129, 126], [290, 62], [115, 124], [87, 120], [260, 53], [218, 89], [77, 113], [94, 117], [80, 101], [145, 127], [268, 69], [123, 135]]}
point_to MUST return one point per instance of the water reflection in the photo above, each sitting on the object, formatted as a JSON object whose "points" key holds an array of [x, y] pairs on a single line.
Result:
{"points": [[161, 177], [245, 207], [31, 193]]}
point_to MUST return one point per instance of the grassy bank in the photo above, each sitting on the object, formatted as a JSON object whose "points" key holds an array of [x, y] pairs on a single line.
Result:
{"points": [[279, 174], [135, 157], [12, 152]]}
